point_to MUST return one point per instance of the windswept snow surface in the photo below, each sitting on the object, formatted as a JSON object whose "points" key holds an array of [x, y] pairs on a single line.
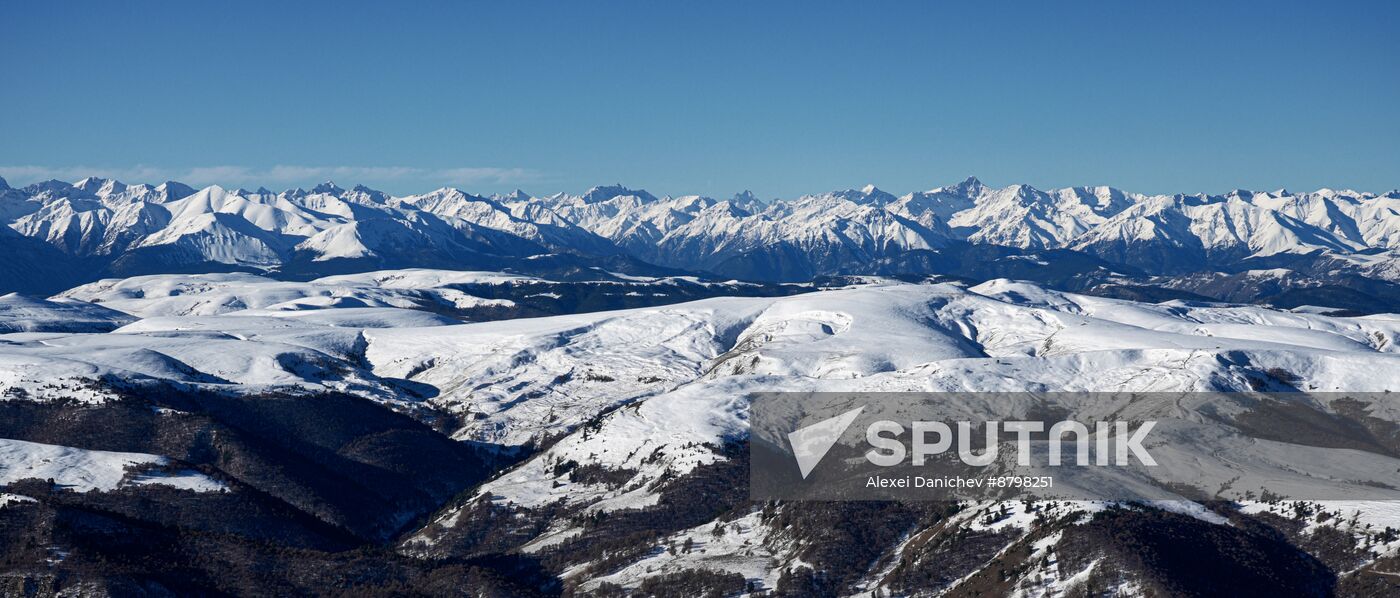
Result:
{"points": [[25, 314], [237, 331], [215, 294]]}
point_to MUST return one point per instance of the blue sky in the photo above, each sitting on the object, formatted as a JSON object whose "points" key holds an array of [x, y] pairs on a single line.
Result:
{"points": [[782, 98]]}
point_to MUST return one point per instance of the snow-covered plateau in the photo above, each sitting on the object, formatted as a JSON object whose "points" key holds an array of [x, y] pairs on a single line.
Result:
{"points": [[414, 412]]}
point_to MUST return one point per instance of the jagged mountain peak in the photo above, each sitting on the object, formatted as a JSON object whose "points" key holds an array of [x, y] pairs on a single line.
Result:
{"points": [[606, 192], [1025, 191], [450, 192], [748, 201], [449, 196], [690, 200], [514, 196], [970, 188], [328, 187], [174, 190], [367, 193], [49, 186], [94, 184], [746, 196], [869, 195], [1240, 194], [1100, 198], [875, 194]]}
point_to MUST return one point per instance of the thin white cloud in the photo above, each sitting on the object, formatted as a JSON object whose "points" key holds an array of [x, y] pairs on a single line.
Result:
{"points": [[281, 174], [31, 173]]}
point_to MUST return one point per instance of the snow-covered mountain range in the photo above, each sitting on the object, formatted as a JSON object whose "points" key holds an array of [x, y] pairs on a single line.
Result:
{"points": [[96, 228]]}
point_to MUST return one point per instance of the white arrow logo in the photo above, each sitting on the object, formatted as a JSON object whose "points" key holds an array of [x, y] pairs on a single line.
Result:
{"points": [[811, 443]]}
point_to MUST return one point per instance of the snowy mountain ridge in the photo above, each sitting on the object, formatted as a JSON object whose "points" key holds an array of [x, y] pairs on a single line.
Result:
{"points": [[120, 229]]}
